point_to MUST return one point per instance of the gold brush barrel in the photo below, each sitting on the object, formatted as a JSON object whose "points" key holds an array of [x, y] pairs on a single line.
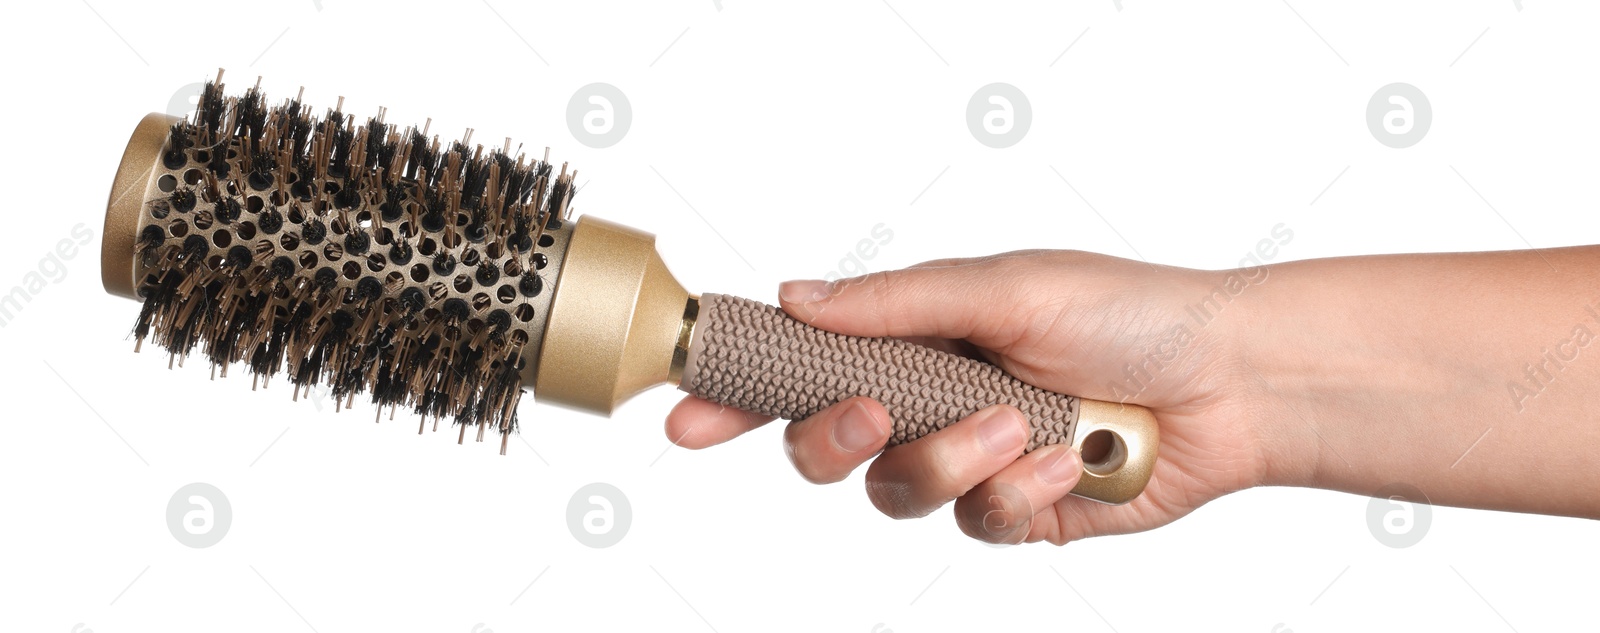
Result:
{"points": [[584, 313]]}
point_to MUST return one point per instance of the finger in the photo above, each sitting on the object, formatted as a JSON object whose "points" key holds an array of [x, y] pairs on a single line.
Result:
{"points": [[1075, 518], [916, 478], [947, 345], [1002, 508], [828, 445], [956, 302], [696, 423], [946, 262]]}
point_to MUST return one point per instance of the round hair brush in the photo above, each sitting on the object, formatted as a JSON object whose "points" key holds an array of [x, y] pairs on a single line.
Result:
{"points": [[447, 279]]}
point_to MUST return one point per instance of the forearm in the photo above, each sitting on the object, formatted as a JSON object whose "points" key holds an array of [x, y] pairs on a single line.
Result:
{"points": [[1474, 377]]}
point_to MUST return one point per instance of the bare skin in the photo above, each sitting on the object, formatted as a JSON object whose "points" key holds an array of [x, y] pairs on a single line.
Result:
{"points": [[1474, 377]]}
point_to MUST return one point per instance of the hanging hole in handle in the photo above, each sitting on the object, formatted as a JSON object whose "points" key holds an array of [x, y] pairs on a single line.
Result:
{"points": [[1103, 452]]}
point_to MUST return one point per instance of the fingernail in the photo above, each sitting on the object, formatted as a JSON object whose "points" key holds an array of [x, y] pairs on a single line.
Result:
{"points": [[803, 291], [856, 431], [1061, 467], [1000, 431]]}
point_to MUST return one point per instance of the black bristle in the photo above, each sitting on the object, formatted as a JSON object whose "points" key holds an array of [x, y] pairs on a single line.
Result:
{"points": [[282, 267], [238, 257], [227, 210], [420, 157], [326, 279], [211, 109], [444, 264], [195, 248], [412, 300], [393, 203], [433, 222], [270, 221], [260, 180], [343, 138], [531, 284], [219, 162], [456, 309], [488, 274], [499, 321], [357, 242], [177, 141], [182, 200], [314, 232], [322, 282], [368, 288], [250, 116], [302, 188], [400, 253], [380, 150], [348, 197], [152, 236]]}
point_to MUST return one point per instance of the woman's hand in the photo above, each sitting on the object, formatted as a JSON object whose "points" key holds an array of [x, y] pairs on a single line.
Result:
{"points": [[1089, 325]]}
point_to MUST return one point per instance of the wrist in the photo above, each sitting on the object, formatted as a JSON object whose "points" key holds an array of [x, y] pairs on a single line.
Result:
{"points": [[1275, 367]]}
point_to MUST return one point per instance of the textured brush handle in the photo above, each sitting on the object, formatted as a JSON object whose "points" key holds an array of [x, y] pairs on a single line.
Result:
{"points": [[755, 357]]}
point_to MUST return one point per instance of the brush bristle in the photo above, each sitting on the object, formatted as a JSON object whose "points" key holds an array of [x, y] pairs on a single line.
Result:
{"points": [[322, 237]]}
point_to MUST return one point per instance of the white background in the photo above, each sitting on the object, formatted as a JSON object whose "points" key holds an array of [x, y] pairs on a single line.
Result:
{"points": [[792, 129]]}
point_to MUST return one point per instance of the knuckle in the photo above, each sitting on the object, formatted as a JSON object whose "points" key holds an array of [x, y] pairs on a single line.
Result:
{"points": [[1017, 262], [936, 475], [805, 458], [879, 285], [918, 481], [994, 514], [895, 499], [813, 475]]}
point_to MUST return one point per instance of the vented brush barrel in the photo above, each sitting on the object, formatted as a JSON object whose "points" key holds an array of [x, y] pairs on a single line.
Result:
{"points": [[448, 279]]}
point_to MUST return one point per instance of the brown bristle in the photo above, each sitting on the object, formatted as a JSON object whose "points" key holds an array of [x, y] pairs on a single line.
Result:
{"points": [[316, 246]]}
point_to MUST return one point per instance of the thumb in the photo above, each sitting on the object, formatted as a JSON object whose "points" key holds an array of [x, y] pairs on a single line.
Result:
{"points": [[954, 302]]}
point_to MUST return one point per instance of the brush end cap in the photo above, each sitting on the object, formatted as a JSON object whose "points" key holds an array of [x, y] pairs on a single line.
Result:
{"points": [[125, 204]]}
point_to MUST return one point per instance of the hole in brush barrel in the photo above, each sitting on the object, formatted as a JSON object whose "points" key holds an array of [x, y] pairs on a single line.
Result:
{"points": [[1103, 452]]}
